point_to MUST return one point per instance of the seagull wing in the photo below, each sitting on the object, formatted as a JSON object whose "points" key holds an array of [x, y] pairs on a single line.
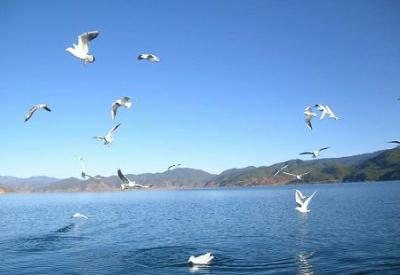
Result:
{"points": [[394, 141], [322, 149], [31, 112], [308, 200], [330, 112], [299, 198], [114, 129], [171, 166], [290, 174], [304, 174], [84, 38], [114, 108], [307, 153], [122, 177], [82, 165]]}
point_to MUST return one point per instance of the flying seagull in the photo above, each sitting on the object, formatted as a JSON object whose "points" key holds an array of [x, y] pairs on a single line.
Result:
{"points": [[298, 177], [81, 51], [303, 201], [314, 154], [79, 216], [325, 110], [309, 114], [127, 184], [149, 57], [34, 108], [124, 102], [84, 174], [108, 139], [174, 166], [201, 260], [280, 170]]}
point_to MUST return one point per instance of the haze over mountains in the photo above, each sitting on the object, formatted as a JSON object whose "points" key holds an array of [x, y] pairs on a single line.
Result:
{"points": [[377, 166]]}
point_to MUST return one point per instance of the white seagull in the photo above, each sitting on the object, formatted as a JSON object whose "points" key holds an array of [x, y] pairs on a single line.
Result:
{"points": [[84, 174], [108, 139], [81, 51], [79, 216], [309, 114], [303, 201], [149, 57], [316, 153], [201, 260], [124, 102], [298, 177], [280, 170], [127, 184], [174, 166], [34, 108], [325, 110]]}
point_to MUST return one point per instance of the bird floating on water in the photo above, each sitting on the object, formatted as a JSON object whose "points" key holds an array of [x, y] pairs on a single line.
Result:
{"points": [[149, 57], [298, 177], [280, 170], [79, 216], [124, 102], [309, 114], [325, 110], [127, 184], [303, 201], [81, 51], [316, 153], [108, 139], [34, 108], [201, 260], [173, 166]]}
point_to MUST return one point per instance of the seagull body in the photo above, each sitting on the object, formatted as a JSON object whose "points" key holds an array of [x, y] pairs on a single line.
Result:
{"points": [[108, 139], [124, 102], [81, 51], [309, 114], [174, 166], [201, 260], [326, 110], [298, 177], [79, 216], [316, 153], [34, 108], [303, 201], [127, 184], [280, 170], [149, 57]]}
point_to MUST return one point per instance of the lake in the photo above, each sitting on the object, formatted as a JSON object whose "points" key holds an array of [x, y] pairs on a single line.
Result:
{"points": [[352, 228]]}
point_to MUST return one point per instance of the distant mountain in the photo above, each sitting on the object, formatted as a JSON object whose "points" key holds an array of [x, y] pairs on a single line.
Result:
{"points": [[381, 165]]}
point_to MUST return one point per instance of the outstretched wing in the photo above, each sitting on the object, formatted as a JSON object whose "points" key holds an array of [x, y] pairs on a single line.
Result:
{"points": [[299, 198], [171, 166], [293, 175], [122, 177], [114, 128], [84, 38], [308, 200], [114, 109], [394, 141], [31, 112], [306, 173], [322, 149], [307, 153]]}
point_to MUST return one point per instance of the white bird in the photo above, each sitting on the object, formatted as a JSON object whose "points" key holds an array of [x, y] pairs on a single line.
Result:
{"points": [[326, 110], [124, 102], [34, 108], [81, 51], [298, 177], [84, 174], [316, 153], [79, 216], [127, 184], [201, 260], [108, 139], [174, 166], [149, 57], [309, 114], [280, 170], [303, 201]]}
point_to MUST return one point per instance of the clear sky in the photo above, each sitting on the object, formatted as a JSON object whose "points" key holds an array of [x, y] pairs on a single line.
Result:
{"points": [[230, 90]]}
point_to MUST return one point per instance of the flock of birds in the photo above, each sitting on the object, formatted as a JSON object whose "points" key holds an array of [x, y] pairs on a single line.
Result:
{"points": [[81, 52]]}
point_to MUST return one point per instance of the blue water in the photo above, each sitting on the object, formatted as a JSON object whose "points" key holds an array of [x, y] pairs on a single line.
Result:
{"points": [[352, 228]]}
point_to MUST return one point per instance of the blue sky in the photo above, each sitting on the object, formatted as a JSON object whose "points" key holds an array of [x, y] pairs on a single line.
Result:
{"points": [[230, 90]]}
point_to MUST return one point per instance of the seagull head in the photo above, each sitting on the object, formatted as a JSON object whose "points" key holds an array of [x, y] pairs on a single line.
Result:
{"points": [[89, 59]]}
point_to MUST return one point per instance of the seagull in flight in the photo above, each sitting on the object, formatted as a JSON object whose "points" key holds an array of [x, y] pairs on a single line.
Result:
{"points": [[298, 177], [127, 184], [149, 57], [201, 260], [316, 153], [81, 51], [124, 102], [34, 108], [84, 174], [108, 139], [303, 201], [325, 110], [309, 114], [173, 166], [280, 170]]}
